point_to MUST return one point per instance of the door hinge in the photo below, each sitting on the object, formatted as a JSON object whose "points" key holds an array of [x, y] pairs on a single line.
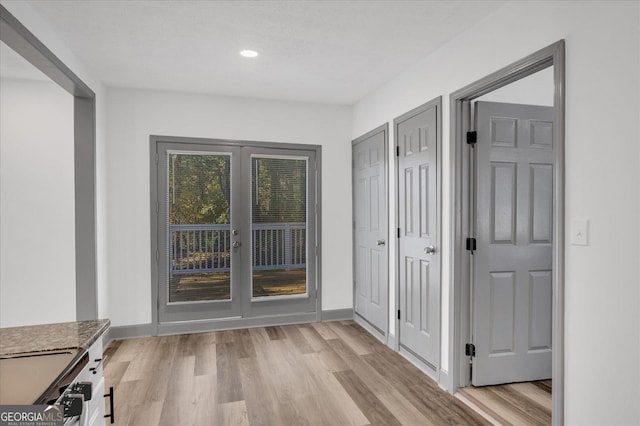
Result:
{"points": [[398, 232], [472, 138], [471, 245], [157, 207], [398, 151], [398, 313], [470, 350]]}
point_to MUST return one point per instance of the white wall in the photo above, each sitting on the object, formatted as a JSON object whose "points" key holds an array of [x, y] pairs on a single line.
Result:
{"points": [[136, 114], [602, 163], [50, 38], [37, 248], [535, 89]]}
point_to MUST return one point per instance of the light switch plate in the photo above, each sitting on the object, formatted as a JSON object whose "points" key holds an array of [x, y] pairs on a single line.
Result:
{"points": [[580, 232]]}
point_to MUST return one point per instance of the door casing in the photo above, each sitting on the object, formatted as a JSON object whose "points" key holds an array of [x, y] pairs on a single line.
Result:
{"points": [[437, 102], [228, 323], [459, 299]]}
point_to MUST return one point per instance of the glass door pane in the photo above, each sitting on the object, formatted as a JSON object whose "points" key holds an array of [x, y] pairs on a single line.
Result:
{"points": [[279, 226], [199, 226]]}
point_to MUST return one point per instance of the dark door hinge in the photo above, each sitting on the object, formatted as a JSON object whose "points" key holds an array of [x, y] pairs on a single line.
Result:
{"points": [[397, 151], [471, 245], [472, 138], [398, 313], [398, 232], [470, 350]]}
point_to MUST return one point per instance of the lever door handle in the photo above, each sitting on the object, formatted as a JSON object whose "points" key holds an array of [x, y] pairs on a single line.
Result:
{"points": [[381, 242]]}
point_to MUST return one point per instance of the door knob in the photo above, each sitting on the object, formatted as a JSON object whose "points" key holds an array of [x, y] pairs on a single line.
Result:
{"points": [[381, 242], [234, 232], [236, 244], [430, 250]]}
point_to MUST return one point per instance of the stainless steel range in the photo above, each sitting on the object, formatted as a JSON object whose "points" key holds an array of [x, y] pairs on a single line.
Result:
{"points": [[68, 378]]}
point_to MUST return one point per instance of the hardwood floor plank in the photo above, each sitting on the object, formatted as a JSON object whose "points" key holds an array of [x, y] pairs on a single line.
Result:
{"points": [[206, 363], [335, 397], [258, 392], [124, 408], [228, 376], [297, 338], [180, 401], [315, 374], [244, 344], [376, 382], [313, 338], [403, 410], [534, 393], [233, 414], [544, 385], [355, 342], [148, 413], [495, 408], [324, 330], [113, 374], [205, 404], [419, 390], [275, 333], [534, 413], [109, 351], [369, 404]]}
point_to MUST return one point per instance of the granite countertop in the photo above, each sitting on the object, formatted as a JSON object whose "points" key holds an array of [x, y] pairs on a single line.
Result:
{"points": [[50, 337]]}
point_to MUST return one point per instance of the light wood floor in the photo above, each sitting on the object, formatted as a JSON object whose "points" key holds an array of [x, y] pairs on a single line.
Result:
{"points": [[514, 403], [315, 374]]}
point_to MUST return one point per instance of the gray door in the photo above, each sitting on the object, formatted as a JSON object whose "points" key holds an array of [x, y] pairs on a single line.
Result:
{"points": [[370, 228], [512, 264], [419, 255], [236, 231], [198, 213]]}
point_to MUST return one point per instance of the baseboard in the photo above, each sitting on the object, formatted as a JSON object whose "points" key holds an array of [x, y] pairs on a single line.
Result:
{"points": [[203, 326], [392, 342], [184, 327], [443, 380], [337, 315], [125, 332]]}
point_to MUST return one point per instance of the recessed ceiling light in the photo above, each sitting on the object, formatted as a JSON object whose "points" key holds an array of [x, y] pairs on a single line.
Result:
{"points": [[249, 53]]}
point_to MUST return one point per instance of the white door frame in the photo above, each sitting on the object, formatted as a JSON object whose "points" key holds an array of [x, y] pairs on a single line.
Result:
{"points": [[459, 297], [437, 102]]}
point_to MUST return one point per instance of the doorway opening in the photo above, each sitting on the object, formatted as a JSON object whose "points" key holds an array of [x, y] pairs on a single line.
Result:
{"points": [[234, 228], [507, 306]]}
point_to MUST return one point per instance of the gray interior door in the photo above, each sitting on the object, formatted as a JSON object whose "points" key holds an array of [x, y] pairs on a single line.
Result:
{"points": [[512, 290], [419, 256], [236, 231], [371, 228]]}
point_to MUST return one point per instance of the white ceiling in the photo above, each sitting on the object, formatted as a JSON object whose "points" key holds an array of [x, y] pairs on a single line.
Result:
{"points": [[315, 51]]}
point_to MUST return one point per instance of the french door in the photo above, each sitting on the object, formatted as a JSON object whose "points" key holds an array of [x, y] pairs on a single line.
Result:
{"points": [[236, 231]]}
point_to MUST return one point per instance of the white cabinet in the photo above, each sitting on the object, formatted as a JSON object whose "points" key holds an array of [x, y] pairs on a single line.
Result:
{"points": [[93, 410]]}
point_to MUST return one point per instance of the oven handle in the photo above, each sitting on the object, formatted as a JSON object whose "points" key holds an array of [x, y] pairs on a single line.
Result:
{"points": [[111, 414]]}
